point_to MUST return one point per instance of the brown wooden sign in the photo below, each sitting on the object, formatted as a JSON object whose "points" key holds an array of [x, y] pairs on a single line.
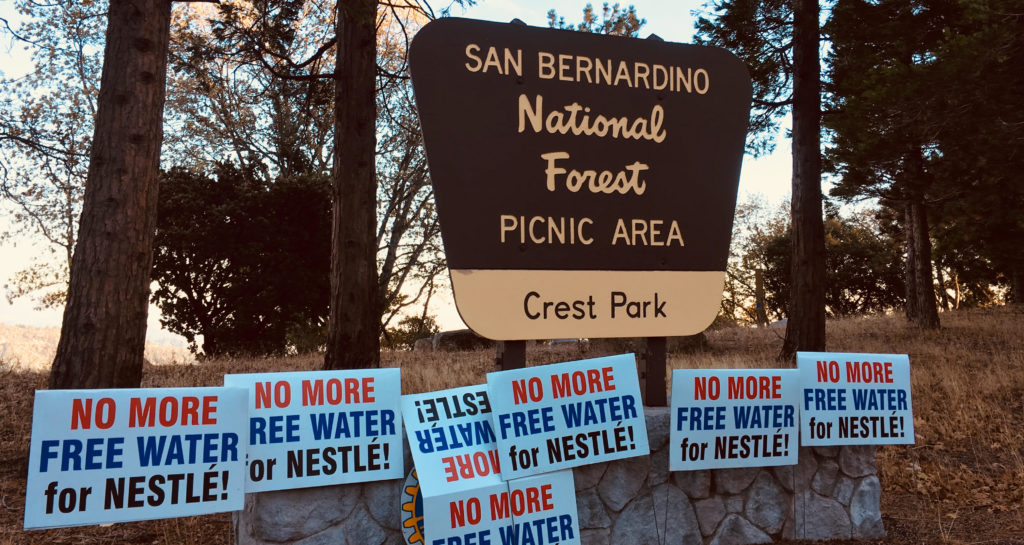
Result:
{"points": [[585, 184]]}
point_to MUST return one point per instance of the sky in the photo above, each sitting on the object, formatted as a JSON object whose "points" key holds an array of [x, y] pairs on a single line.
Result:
{"points": [[671, 20]]}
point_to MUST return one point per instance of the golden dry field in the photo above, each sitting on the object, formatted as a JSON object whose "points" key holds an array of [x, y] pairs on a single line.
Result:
{"points": [[961, 483]]}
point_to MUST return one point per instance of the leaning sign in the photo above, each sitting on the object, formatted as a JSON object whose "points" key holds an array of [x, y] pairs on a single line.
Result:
{"points": [[103, 456], [591, 178]]}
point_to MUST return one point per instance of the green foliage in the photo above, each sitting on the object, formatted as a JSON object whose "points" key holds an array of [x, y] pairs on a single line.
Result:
{"points": [[924, 106], [409, 330], [862, 257], [760, 33], [614, 21], [241, 262]]}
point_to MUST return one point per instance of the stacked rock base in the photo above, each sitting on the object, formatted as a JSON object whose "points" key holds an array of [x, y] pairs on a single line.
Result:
{"points": [[833, 493]]}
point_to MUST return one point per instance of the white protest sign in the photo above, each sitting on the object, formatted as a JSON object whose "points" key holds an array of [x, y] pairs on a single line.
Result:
{"points": [[855, 399], [544, 509], [451, 439], [468, 517], [101, 456], [537, 510], [569, 414], [317, 428], [725, 418]]}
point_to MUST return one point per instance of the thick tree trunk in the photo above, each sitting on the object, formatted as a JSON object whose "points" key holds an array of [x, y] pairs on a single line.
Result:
{"points": [[353, 334], [104, 330], [805, 329]]}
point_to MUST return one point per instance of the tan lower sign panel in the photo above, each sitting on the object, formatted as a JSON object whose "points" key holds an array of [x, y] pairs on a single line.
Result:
{"points": [[529, 304]]}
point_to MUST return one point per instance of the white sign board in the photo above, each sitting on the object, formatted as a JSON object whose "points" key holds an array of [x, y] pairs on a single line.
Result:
{"points": [[724, 418], [537, 510], [855, 399], [318, 428], [569, 414], [468, 517], [102, 456], [451, 439]]}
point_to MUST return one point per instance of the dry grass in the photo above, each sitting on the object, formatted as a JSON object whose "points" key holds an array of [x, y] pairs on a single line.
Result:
{"points": [[32, 348], [962, 483]]}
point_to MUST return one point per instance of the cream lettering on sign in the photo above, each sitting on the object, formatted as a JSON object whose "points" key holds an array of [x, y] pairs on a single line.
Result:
{"points": [[577, 119], [545, 65], [646, 232], [636, 74], [545, 229], [605, 181], [505, 63]]}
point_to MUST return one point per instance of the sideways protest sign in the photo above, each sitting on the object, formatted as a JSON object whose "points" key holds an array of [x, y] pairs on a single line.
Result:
{"points": [[538, 510], [724, 418], [855, 399], [567, 414], [319, 428], [451, 439], [101, 456]]}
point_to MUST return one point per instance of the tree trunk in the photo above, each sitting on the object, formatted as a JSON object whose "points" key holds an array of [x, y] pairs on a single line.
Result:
{"points": [[760, 311], [1016, 284], [919, 246], [104, 330], [956, 294], [805, 329], [353, 334], [941, 278], [909, 272], [919, 258]]}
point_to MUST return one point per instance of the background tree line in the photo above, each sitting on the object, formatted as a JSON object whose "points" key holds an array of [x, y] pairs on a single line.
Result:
{"points": [[916, 116], [914, 101]]}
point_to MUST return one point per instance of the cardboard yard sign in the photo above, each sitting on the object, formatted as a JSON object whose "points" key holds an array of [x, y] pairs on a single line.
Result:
{"points": [[585, 184], [855, 399], [103, 456], [451, 439], [724, 418], [538, 510], [318, 428], [565, 415]]}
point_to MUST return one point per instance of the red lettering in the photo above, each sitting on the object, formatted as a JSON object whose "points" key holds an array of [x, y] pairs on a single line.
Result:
{"points": [[582, 382], [142, 415], [828, 371], [312, 392], [82, 413], [169, 412], [755, 387], [209, 410], [499, 506]]}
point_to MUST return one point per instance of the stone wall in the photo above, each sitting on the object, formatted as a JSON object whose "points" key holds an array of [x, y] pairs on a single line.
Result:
{"points": [[832, 493]]}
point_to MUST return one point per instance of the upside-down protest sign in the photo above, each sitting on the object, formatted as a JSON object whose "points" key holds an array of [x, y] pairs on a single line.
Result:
{"points": [[451, 439], [100, 456]]}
